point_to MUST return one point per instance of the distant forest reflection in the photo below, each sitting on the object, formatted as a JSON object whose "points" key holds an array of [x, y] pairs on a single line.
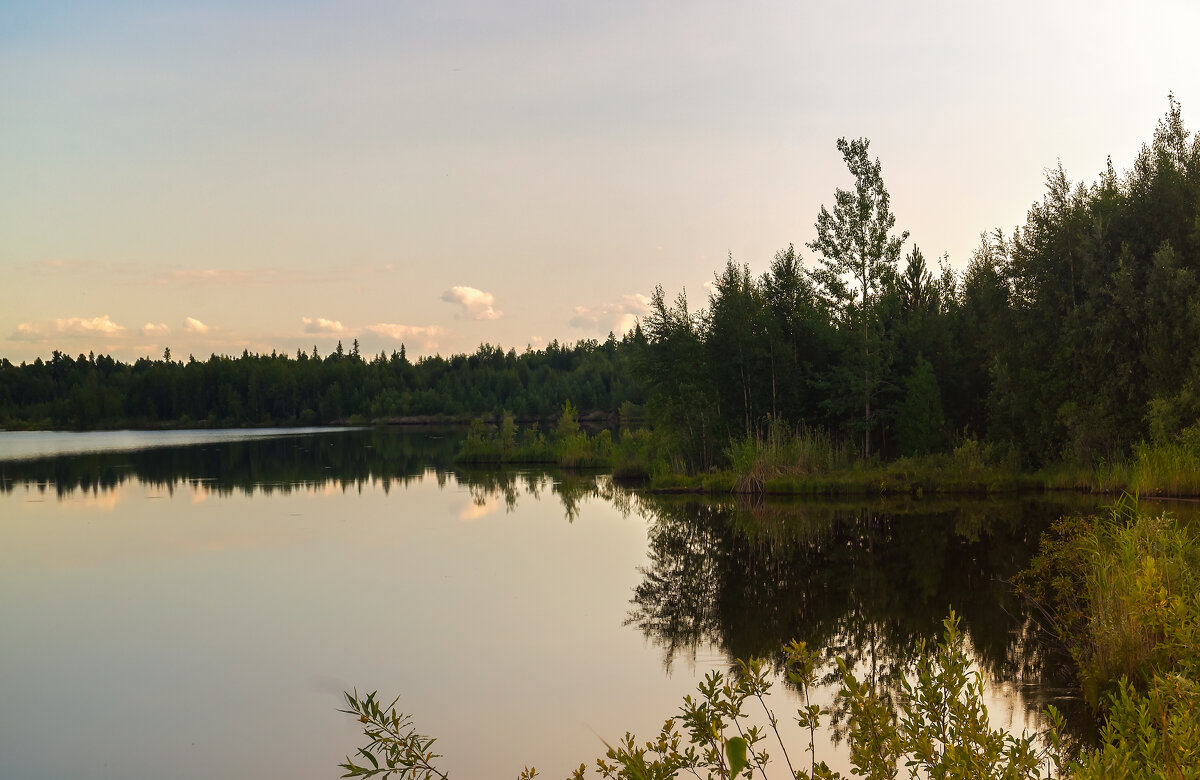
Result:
{"points": [[278, 464], [344, 459]]}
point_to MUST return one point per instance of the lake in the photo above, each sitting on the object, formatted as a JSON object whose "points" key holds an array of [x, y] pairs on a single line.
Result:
{"points": [[192, 605]]}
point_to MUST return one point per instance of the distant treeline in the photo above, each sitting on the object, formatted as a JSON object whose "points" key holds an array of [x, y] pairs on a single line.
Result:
{"points": [[99, 392], [1073, 338]]}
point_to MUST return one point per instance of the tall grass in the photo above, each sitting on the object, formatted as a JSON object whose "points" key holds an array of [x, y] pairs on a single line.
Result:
{"points": [[1123, 592], [806, 460], [784, 452], [1164, 467], [1141, 591]]}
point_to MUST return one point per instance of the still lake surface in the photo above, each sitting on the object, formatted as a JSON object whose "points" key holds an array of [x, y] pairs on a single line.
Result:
{"points": [[193, 605]]}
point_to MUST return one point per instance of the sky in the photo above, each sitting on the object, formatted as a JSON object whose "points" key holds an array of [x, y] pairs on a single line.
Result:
{"points": [[220, 176]]}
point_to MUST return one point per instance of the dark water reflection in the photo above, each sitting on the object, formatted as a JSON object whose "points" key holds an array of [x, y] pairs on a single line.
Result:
{"points": [[867, 582], [283, 463]]}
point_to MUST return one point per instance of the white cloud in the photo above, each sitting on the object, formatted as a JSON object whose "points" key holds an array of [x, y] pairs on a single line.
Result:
{"points": [[617, 317], [321, 325], [152, 329], [68, 327], [424, 336], [101, 324], [193, 325], [476, 304]]}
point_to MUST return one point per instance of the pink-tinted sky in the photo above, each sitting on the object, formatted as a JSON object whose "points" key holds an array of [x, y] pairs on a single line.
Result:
{"points": [[219, 176]]}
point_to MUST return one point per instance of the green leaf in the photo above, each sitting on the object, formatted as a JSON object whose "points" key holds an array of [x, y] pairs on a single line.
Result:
{"points": [[735, 751]]}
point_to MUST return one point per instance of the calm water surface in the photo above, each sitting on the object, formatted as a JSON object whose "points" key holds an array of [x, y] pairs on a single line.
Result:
{"points": [[19, 445], [195, 610]]}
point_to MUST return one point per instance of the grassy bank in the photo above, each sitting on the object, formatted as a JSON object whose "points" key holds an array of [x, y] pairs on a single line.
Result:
{"points": [[806, 461], [782, 462], [809, 462]]}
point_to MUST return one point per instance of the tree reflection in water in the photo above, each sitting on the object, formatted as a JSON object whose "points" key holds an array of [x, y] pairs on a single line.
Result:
{"points": [[283, 464], [867, 582]]}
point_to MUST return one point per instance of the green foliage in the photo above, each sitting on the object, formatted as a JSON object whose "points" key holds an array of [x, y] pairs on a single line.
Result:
{"points": [[940, 731], [856, 241], [1123, 594], [568, 422], [944, 728], [670, 363], [782, 454], [1074, 337], [971, 454], [1101, 296], [507, 438], [1171, 468], [394, 748], [920, 422], [1151, 733], [570, 446], [639, 454], [1141, 594], [806, 461]]}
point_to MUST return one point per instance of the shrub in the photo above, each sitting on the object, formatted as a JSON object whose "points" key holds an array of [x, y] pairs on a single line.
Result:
{"points": [[941, 730]]}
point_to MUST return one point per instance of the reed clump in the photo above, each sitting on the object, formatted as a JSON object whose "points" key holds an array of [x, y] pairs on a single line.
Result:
{"points": [[1163, 466], [1122, 592], [784, 454], [1171, 469]]}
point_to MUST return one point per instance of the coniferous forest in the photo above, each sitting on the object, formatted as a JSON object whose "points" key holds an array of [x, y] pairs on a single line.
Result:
{"points": [[1072, 338], [308, 389]]}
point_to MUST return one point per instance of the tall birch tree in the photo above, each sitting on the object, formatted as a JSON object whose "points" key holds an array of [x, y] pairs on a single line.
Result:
{"points": [[858, 256]]}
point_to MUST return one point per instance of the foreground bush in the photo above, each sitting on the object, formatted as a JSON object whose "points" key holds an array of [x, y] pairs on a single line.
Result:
{"points": [[729, 730]]}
